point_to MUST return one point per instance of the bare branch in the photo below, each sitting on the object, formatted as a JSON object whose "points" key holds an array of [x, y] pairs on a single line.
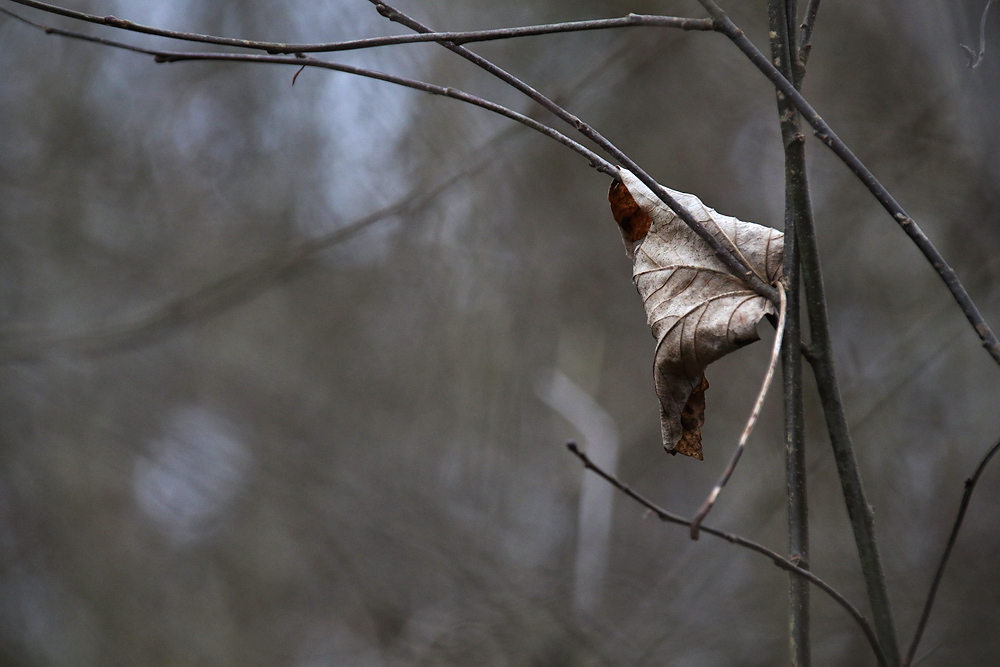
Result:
{"points": [[629, 21], [244, 284], [469, 36], [723, 249], [776, 558], [826, 134], [976, 59], [163, 56], [713, 495], [806, 32], [970, 486], [798, 213], [725, 253]]}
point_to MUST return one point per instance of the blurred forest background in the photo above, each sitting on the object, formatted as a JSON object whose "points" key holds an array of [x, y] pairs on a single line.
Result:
{"points": [[233, 433]]}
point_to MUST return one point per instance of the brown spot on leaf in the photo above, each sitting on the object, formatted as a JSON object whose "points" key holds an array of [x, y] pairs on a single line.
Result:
{"points": [[692, 419], [633, 220]]}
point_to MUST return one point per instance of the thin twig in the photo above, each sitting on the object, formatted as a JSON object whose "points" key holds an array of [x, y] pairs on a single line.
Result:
{"points": [[706, 507], [798, 210], [776, 558], [826, 134], [465, 37], [976, 59], [240, 286], [859, 510], [806, 32], [458, 37], [970, 486], [726, 254], [165, 56]]}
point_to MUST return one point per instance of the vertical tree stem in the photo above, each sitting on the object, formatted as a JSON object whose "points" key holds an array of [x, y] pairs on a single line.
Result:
{"points": [[781, 15], [858, 510]]}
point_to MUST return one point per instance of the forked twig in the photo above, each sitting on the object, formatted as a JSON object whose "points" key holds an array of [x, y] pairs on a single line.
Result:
{"points": [[970, 486], [776, 558], [976, 58], [706, 507]]}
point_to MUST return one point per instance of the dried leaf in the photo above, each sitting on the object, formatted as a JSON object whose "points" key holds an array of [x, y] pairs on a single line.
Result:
{"points": [[697, 309]]}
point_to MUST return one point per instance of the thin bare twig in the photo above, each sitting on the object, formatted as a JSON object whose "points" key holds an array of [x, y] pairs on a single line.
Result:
{"points": [[726, 254], [776, 558], [806, 32], [166, 56], [970, 486], [458, 37], [242, 285], [826, 134], [468, 36], [798, 212], [706, 507], [976, 59], [859, 510]]}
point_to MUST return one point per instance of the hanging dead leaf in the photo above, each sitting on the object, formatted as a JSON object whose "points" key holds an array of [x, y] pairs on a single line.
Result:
{"points": [[697, 309]]}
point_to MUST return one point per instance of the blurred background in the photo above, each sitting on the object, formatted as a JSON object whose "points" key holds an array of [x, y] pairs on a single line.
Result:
{"points": [[288, 371]]}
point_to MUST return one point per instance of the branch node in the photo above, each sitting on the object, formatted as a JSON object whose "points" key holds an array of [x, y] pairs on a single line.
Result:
{"points": [[116, 22]]}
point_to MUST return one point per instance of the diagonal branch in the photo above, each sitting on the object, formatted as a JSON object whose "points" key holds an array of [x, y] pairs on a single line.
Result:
{"points": [[776, 558], [724, 251], [826, 134], [970, 486], [726, 254]]}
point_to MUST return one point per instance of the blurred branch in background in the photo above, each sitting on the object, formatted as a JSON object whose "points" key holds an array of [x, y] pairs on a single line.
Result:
{"points": [[976, 57], [231, 290]]}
